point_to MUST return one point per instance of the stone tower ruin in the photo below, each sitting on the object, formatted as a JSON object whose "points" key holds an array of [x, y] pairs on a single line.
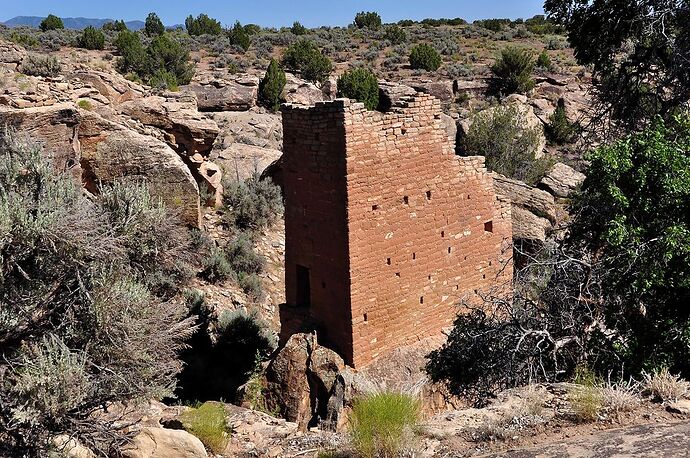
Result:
{"points": [[386, 229]]}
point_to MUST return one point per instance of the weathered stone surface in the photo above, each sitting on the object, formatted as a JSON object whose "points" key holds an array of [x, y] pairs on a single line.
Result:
{"points": [[71, 448], [54, 127], [241, 161], [226, 95], [301, 92], [177, 114], [299, 380], [212, 177], [562, 180], [451, 128], [390, 94], [537, 201], [262, 129], [164, 443], [681, 407], [442, 90], [113, 86], [287, 382], [665, 440], [528, 226], [110, 151], [11, 53]]}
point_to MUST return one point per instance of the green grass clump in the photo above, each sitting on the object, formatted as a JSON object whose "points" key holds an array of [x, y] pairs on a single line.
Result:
{"points": [[587, 397], [207, 422], [382, 424]]}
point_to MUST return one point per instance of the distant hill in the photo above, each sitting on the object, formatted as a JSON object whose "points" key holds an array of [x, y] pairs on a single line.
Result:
{"points": [[70, 22]]}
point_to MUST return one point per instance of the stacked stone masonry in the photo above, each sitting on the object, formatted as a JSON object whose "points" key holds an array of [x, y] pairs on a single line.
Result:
{"points": [[387, 230]]}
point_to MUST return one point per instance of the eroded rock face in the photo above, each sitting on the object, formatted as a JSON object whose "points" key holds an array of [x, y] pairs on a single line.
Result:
{"points": [[54, 127], [255, 128], [110, 151], [240, 161], [165, 443], [562, 180], [11, 54], [300, 378], [220, 95], [176, 114], [301, 92], [533, 210], [390, 94]]}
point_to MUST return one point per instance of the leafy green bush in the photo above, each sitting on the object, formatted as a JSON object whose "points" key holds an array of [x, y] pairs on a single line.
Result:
{"points": [[51, 22], [425, 57], [28, 41], [153, 25], [164, 63], [298, 29], [305, 57], [253, 204], [560, 130], [239, 37], [202, 25], [41, 65], [216, 267], [510, 148], [368, 20], [77, 323], [272, 85], [132, 52], [495, 25], [544, 61], [513, 71], [242, 257], [208, 423], [115, 26], [91, 38], [395, 34], [360, 84], [382, 424], [85, 104]]}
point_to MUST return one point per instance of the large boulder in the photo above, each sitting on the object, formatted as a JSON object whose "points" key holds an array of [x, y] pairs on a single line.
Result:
{"points": [[533, 210], [240, 161], [176, 114], [113, 86], [562, 180], [390, 94], [301, 92], [300, 379], [111, 151], [262, 129], [221, 95], [54, 127], [11, 54], [442, 90], [164, 443]]}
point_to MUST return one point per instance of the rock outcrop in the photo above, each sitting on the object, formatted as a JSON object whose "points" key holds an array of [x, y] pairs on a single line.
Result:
{"points": [[189, 131], [240, 161], [301, 92], [221, 95], [54, 127], [300, 378], [562, 180], [164, 443], [533, 210], [110, 151]]}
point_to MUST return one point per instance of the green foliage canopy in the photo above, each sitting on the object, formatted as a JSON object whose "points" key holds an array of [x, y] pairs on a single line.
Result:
{"points": [[360, 84]]}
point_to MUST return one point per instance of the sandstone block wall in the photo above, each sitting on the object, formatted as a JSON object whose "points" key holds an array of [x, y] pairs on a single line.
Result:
{"points": [[401, 227]]}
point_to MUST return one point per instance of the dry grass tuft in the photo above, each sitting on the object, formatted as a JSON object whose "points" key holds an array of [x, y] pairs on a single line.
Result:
{"points": [[664, 386]]}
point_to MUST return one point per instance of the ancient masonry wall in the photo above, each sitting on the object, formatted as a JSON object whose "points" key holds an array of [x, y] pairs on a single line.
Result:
{"points": [[401, 231]]}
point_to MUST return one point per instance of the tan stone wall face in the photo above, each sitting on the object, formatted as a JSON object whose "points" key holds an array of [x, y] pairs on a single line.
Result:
{"points": [[424, 229]]}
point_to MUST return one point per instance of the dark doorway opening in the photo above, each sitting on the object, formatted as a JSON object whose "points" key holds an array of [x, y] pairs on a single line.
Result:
{"points": [[303, 286]]}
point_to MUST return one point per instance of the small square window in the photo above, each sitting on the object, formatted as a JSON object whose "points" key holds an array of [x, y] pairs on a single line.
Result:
{"points": [[489, 226], [428, 195], [406, 200], [388, 261], [374, 207]]}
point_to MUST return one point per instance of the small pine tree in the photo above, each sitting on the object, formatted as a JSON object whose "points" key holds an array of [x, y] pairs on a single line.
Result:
{"points": [[272, 85], [52, 22], [153, 25], [425, 57], [298, 29], [395, 34], [238, 36], [513, 71], [202, 25], [544, 61], [560, 130], [92, 38], [369, 20], [117, 26], [360, 84], [305, 57], [132, 52]]}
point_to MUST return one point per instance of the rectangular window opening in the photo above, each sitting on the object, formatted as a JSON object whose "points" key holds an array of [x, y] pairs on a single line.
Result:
{"points": [[428, 195], [374, 207], [489, 226], [366, 318], [449, 250], [421, 300], [443, 234], [406, 200], [388, 261], [414, 256]]}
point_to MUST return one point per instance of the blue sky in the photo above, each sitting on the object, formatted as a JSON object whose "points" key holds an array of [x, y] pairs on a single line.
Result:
{"points": [[273, 12]]}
